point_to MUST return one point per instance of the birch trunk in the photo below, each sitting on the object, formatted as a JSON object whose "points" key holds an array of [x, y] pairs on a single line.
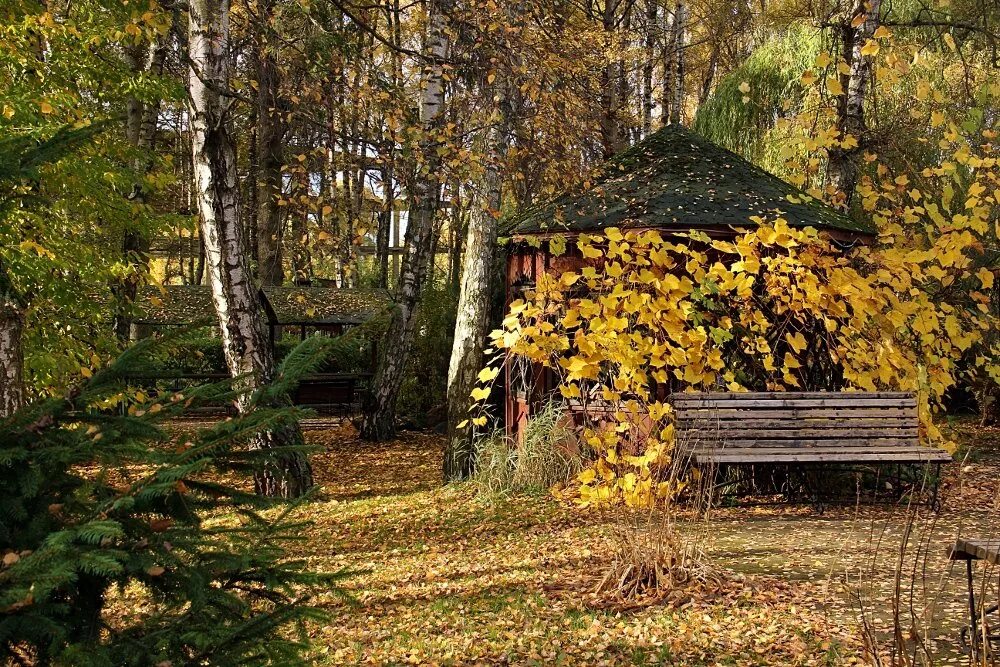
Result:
{"points": [[379, 422], [842, 167], [270, 154], [680, 42], [647, 67], [245, 343], [471, 325], [11, 349]]}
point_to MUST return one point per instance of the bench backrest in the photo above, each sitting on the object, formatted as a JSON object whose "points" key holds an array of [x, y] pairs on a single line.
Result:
{"points": [[799, 419]]}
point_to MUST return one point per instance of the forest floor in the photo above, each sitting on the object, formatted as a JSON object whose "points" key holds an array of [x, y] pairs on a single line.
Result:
{"points": [[444, 577]]}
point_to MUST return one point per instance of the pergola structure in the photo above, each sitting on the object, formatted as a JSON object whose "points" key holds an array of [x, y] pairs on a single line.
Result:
{"points": [[326, 309], [674, 180], [299, 308]]}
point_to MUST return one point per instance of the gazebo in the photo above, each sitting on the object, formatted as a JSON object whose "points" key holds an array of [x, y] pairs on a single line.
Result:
{"points": [[674, 180], [301, 309]]}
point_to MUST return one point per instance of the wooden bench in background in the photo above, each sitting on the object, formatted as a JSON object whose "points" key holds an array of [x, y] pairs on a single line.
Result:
{"points": [[801, 428]]}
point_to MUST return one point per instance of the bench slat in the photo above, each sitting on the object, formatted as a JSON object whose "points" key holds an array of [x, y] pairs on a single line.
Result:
{"points": [[792, 423], [680, 397], [737, 433], [831, 402], [791, 455], [792, 413], [858, 443]]}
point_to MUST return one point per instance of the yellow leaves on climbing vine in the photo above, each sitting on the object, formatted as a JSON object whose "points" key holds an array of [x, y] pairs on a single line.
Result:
{"points": [[773, 308]]}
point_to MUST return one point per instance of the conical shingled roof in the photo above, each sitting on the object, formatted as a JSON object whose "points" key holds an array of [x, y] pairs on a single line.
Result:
{"points": [[677, 179]]}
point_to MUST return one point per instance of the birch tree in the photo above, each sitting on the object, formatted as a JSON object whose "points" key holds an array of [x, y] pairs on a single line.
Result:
{"points": [[842, 168], [245, 344], [11, 350], [424, 194], [477, 284]]}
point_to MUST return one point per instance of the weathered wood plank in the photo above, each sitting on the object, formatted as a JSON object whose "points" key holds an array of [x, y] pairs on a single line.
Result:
{"points": [[860, 442], [792, 423], [749, 395], [976, 549], [916, 455], [835, 401], [793, 413], [747, 433]]}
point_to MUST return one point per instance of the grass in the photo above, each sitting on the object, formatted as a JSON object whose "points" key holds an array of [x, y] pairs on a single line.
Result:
{"points": [[446, 577], [451, 579]]}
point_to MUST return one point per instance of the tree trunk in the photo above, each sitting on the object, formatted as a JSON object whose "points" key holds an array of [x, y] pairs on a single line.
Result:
{"points": [[270, 155], [380, 418], [669, 60], [474, 304], [382, 233], [140, 131], [610, 98], [842, 166], [11, 350], [244, 340], [680, 42], [647, 67]]}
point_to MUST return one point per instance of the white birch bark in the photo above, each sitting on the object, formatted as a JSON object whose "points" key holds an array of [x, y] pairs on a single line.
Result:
{"points": [[380, 415], [245, 343], [477, 284], [680, 42], [842, 167], [11, 350]]}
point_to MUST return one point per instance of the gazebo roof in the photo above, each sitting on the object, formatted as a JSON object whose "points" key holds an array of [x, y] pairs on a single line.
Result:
{"points": [[188, 304], [677, 179]]}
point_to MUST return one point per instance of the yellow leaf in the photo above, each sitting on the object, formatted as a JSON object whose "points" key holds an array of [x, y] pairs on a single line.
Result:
{"points": [[45, 107], [858, 20], [479, 421], [808, 78], [823, 59], [480, 393], [744, 87], [882, 33], [462, 424], [833, 85], [870, 48], [488, 374], [950, 41], [8, 111], [797, 341], [985, 277]]}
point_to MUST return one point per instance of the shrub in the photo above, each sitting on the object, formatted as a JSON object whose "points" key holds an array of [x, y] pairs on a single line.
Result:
{"points": [[95, 503], [423, 395]]}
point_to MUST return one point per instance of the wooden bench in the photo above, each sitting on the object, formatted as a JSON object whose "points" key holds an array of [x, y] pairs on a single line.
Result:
{"points": [[973, 638], [801, 428]]}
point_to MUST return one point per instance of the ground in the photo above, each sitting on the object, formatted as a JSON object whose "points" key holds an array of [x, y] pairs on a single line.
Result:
{"points": [[445, 577]]}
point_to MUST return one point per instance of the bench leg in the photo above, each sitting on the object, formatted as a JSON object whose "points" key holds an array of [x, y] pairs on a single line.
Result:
{"points": [[935, 501]]}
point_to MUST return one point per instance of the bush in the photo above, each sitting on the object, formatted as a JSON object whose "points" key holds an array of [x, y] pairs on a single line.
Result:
{"points": [[423, 401], [546, 456], [94, 503], [197, 352]]}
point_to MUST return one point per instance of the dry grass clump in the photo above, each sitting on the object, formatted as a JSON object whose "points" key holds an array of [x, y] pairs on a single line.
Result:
{"points": [[544, 457], [653, 566]]}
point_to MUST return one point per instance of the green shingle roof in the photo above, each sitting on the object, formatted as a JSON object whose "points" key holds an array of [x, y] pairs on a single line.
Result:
{"points": [[189, 304], [677, 179]]}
